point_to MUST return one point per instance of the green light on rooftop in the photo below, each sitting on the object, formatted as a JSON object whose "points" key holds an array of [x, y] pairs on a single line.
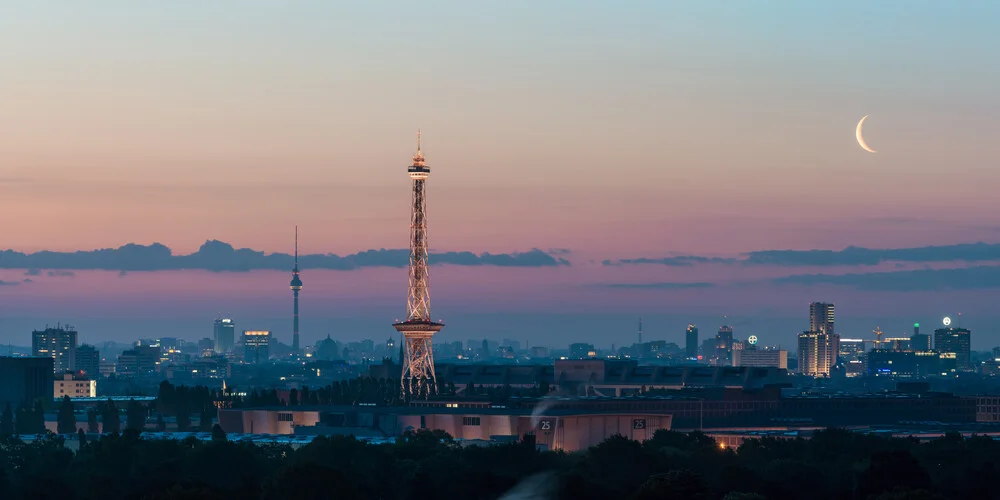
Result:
{"points": [[916, 325]]}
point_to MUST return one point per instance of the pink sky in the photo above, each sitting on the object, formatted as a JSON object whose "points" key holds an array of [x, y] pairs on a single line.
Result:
{"points": [[613, 131]]}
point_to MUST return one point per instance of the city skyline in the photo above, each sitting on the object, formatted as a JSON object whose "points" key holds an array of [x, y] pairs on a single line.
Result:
{"points": [[646, 168]]}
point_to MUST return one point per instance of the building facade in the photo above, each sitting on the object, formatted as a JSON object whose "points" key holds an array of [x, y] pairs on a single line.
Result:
{"points": [[74, 387], [753, 357], [955, 341], [821, 318], [58, 343], [724, 346], [25, 380], [256, 346], [88, 360], [225, 335], [818, 353], [691, 342]]}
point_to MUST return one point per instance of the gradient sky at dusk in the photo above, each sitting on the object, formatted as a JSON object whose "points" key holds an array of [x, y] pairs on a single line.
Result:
{"points": [[610, 130]]}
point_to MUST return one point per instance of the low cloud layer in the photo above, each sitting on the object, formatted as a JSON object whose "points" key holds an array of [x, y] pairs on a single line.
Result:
{"points": [[924, 280], [681, 261], [659, 286], [850, 256], [219, 256]]}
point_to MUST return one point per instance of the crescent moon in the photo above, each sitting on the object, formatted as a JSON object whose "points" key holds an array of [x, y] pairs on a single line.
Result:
{"points": [[861, 139]]}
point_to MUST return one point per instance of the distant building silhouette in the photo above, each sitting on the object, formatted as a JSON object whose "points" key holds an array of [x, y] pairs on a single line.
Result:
{"points": [[920, 342], [724, 346], [88, 360], [25, 380], [691, 341], [256, 346]]}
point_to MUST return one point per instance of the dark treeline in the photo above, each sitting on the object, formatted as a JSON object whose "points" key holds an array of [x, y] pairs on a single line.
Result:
{"points": [[834, 464]]}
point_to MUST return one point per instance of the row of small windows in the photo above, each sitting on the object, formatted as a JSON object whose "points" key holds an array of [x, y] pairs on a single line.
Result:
{"points": [[284, 417], [470, 420]]}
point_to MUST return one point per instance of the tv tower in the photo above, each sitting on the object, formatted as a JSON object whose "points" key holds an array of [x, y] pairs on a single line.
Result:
{"points": [[296, 286], [418, 379]]}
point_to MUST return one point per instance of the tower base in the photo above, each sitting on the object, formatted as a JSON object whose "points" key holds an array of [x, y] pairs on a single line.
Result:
{"points": [[418, 379]]}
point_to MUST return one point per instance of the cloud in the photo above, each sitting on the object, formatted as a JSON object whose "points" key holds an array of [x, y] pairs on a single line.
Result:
{"points": [[27, 280], [850, 256], [33, 272], [659, 286], [923, 280], [219, 256], [9, 283], [61, 273], [681, 261]]}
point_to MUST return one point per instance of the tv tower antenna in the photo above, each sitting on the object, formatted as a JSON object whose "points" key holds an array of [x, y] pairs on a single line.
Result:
{"points": [[640, 329], [418, 378], [296, 286]]}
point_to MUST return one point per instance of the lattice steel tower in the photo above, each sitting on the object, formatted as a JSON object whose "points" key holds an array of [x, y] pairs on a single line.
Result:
{"points": [[418, 379], [296, 286]]}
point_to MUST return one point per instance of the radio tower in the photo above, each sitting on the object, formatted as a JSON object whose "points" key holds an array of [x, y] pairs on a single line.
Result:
{"points": [[296, 286], [418, 379]]}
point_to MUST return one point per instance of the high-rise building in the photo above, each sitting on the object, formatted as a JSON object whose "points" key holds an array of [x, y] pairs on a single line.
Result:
{"points": [[88, 361], [256, 346], [58, 343], [821, 318], [296, 286], [225, 334], [955, 341], [818, 353], [724, 346], [691, 342], [920, 342], [418, 378]]}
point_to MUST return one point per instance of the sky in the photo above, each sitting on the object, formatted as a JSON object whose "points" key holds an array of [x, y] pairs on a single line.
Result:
{"points": [[578, 143]]}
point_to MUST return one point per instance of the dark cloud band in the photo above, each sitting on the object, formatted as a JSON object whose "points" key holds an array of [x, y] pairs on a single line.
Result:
{"points": [[850, 256], [219, 256]]}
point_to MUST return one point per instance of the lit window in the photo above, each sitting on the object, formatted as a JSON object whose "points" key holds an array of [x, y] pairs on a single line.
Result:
{"points": [[470, 420]]}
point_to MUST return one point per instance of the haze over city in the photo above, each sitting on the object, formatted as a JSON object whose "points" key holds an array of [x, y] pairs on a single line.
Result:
{"points": [[615, 161]]}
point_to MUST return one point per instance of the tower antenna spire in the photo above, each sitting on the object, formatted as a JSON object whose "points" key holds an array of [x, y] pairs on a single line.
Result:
{"points": [[296, 286]]}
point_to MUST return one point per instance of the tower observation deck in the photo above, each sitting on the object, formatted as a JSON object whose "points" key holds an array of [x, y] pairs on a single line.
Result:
{"points": [[418, 378]]}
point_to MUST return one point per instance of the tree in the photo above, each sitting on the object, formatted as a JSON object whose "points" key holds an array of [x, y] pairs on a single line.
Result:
{"points": [[66, 421], [92, 421], [293, 397], [135, 415], [217, 433], [205, 420], [38, 418], [82, 437], [161, 426], [112, 422], [7, 421]]}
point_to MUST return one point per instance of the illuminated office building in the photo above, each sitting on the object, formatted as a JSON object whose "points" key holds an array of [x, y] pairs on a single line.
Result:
{"points": [[58, 343], [954, 341]]}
